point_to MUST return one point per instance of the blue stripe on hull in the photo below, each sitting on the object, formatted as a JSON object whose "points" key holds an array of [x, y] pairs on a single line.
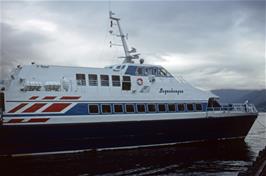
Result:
{"points": [[51, 138]]}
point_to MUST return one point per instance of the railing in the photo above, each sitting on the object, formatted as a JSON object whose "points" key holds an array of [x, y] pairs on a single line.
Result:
{"points": [[234, 108]]}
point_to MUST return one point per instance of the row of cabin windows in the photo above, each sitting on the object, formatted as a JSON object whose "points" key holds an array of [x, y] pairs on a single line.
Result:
{"points": [[104, 80], [142, 108], [146, 71]]}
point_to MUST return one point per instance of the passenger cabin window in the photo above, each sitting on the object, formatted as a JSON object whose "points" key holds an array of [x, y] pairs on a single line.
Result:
{"points": [[93, 109], [118, 108], [198, 107], [181, 107], [140, 107], [106, 108], [171, 107], [161, 107], [151, 108], [93, 80], [81, 80], [126, 85], [116, 81], [190, 107], [104, 80], [130, 108]]}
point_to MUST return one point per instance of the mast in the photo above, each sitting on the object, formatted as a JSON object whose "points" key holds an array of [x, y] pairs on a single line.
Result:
{"points": [[128, 56]]}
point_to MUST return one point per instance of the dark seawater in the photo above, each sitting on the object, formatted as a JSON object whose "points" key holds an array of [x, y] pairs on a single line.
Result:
{"points": [[228, 157]]}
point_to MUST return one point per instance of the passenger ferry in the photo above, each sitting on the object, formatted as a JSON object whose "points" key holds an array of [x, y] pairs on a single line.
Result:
{"points": [[51, 109]]}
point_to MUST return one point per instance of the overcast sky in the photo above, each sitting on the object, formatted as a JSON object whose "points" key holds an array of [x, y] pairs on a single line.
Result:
{"points": [[212, 44]]}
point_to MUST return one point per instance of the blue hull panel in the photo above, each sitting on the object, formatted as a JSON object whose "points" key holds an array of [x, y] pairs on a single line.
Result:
{"points": [[62, 137]]}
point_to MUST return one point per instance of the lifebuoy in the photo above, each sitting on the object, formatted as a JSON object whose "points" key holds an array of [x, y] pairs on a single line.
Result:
{"points": [[140, 81]]}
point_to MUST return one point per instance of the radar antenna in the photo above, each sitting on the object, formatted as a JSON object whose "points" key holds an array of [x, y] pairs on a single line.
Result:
{"points": [[129, 56]]}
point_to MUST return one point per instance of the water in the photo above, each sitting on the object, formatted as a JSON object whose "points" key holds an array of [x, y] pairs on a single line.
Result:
{"points": [[209, 158]]}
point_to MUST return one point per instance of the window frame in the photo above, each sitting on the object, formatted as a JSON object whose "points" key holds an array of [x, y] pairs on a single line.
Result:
{"points": [[121, 106], [106, 112], [116, 81], [124, 82], [96, 80], [201, 108], [82, 81], [158, 108], [187, 107], [99, 110], [137, 109], [168, 107], [103, 81], [154, 108], [184, 107], [134, 109]]}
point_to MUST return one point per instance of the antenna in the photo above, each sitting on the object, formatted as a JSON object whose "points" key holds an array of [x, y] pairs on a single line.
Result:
{"points": [[128, 57]]}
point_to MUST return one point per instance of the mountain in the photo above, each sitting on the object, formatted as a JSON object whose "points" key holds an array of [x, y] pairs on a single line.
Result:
{"points": [[257, 97]]}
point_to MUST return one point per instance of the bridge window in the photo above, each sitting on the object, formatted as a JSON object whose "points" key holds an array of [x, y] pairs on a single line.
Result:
{"points": [[171, 107], [198, 107], [151, 108], [141, 107], [140, 71], [81, 80], [190, 107], [116, 81], [93, 80], [93, 109], [106, 108], [181, 107], [118, 108], [130, 108], [126, 85], [161, 107], [131, 70], [104, 80]]}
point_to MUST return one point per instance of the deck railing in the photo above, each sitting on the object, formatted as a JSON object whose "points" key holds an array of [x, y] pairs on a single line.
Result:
{"points": [[234, 108]]}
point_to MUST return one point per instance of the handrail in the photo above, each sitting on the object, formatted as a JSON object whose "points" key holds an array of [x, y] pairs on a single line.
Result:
{"points": [[235, 108]]}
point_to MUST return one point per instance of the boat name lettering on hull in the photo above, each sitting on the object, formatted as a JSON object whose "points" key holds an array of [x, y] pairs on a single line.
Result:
{"points": [[171, 91]]}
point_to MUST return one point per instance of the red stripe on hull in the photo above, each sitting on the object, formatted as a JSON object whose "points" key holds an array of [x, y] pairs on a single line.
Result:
{"points": [[15, 120], [34, 107], [17, 108], [38, 120], [70, 97], [49, 97], [34, 97], [56, 107]]}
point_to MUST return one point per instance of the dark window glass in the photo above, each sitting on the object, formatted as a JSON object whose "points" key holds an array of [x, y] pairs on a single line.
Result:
{"points": [[94, 109], [141, 107], [80, 78], [154, 71], [171, 107], [181, 107], [151, 108], [104, 80], [106, 108], [198, 107], [126, 85], [190, 107], [140, 71], [161, 107], [131, 70], [130, 108], [93, 80], [118, 108], [116, 80]]}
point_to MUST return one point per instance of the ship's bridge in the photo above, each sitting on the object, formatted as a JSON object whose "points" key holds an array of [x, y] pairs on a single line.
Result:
{"points": [[141, 70]]}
